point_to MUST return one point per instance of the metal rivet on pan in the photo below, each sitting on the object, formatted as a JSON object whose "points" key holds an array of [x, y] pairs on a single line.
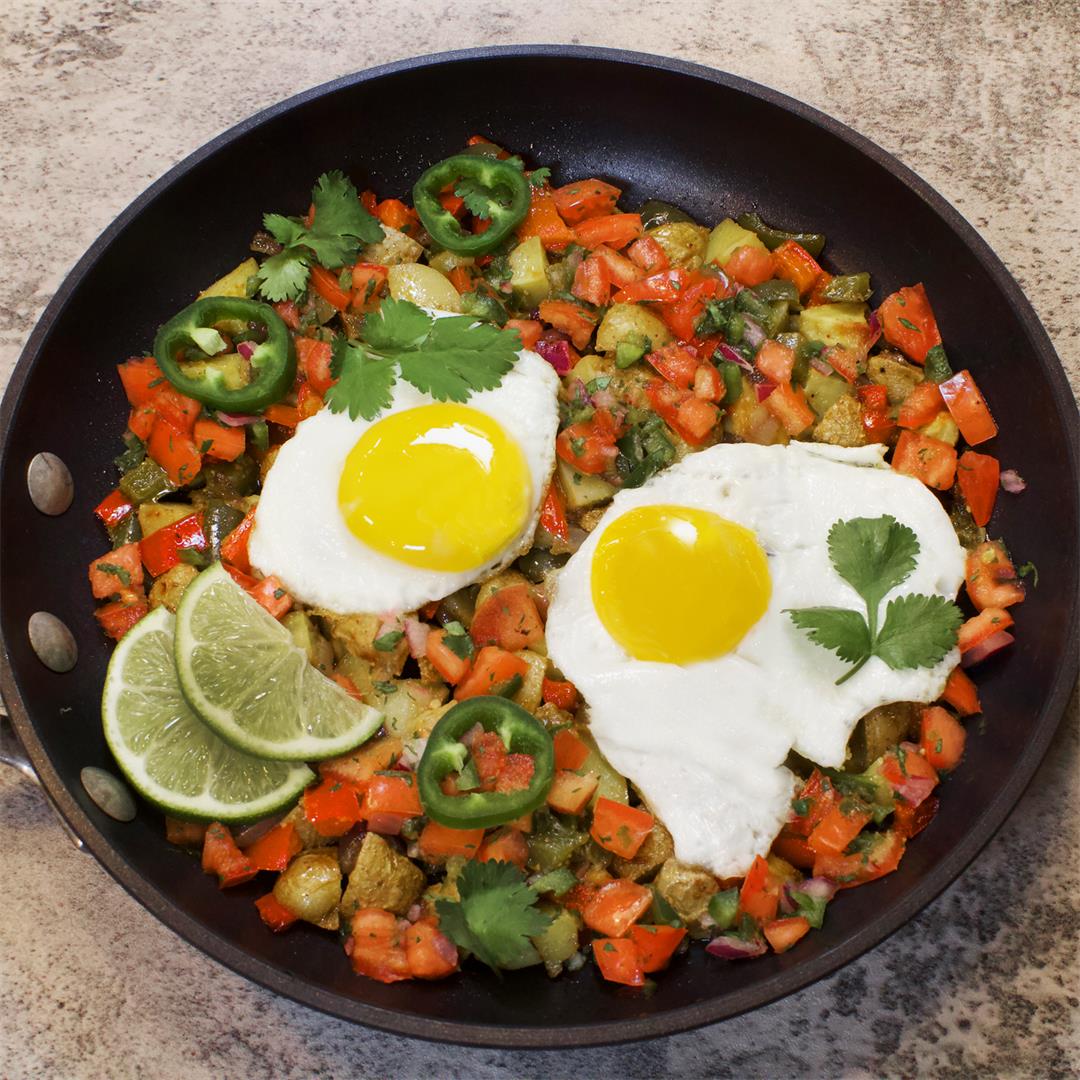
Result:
{"points": [[50, 484], [109, 794], [52, 641]]}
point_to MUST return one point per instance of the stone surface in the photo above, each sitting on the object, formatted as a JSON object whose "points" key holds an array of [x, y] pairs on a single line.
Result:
{"points": [[99, 98]]}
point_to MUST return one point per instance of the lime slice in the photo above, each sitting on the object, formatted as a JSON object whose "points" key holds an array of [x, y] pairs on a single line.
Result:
{"points": [[242, 673], [170, 756]]}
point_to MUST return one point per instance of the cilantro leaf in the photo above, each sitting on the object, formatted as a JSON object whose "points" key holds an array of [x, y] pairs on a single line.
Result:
{"points": [[398, 324], [284, 276], [873, 555], [539, 177], [457, 640], [287, 231], [476, 196], [496, 915], [364, 381], [918, 631], [460, 356], [840, 629], [339, 211]]}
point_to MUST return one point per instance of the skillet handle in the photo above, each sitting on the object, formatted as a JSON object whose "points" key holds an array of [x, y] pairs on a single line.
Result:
{"points": [[12, 753]]}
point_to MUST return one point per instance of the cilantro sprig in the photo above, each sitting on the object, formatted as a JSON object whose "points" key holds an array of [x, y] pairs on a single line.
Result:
{"points": [[496, 916], [341, 224], [448, 358], [874, 556]]}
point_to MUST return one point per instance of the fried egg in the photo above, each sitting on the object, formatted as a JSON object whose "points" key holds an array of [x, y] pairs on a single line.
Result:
{"points": [[670, 621], [388, 514]]}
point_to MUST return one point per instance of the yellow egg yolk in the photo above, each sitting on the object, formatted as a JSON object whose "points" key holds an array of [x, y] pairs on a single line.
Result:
{"points": [[678, 585], [442, 487]]}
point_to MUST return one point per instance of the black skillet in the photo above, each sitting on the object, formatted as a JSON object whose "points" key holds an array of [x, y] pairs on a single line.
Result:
{"points": [[708, 141]]}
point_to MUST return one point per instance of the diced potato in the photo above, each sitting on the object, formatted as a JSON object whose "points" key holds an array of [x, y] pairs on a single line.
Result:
{"points": [[593, 367], [235, 370], [169, 588], [382, 878], [528, 273], [837, 324], [725, 238], [446, 261], [842, 424], [305, 831], [361, 672], [942, 427], [234, 283], [782, 870], [357, 634], [394, 248], [552, 716], [612, 783], [655, 850], [320, 652], [630, 322], [423, 286], [750, 421], [582, 489], [687, 889], [403, 707], [684, 243], [155, 515], [528, 697], [822, 391], [891, 370], [310, 886], [559, 941]]}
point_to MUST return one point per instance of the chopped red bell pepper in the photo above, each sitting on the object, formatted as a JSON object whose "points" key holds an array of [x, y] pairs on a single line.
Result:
{"points": [[218, 440], [781, 934], [968, 408], [759, 896], [620, 828], [553, 512], [978, 476], [656, 944], [585, 199], [570, 751], [116, 571], [908, 322], [617, 906], [274, 850], [274, 914], [562, 694], [572, 319], [392, 795], [961, 694], [270, 594], [222, 857], [613, 230], [332, 807], [795, 264], [314, 359], [619, 961], [447, 663], [175, 451], [440, 842], [119, 616], [543, 220], [142, 378], [234, 548], [162, 548]]}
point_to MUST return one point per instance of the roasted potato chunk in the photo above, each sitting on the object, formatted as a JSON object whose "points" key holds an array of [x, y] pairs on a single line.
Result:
{"points": [[310, 886], [656, 849], [842, 424], [382, 878], [394, 248], [169, 588], [687, 889], [891, 370], [683, 243]]}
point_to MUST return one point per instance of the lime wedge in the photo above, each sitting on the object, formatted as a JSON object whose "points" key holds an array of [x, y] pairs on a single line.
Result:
{"points": [[167, 753], [242, 673]]}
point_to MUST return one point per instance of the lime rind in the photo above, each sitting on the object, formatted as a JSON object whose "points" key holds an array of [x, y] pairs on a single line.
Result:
{"points": [[241, 671], [168, 754]]}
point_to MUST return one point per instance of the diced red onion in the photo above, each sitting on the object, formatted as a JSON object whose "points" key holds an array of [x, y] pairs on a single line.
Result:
{"points": [[729, 947], [874, 324], [416, 633], [821, 365], [987, 647], [236, 419], [414, 913], [446, 949], [245, 349], [412, 752], [752, 332], [391, 623], [467, 739], [604, 399], [914, 789], [728, 353], [763, 390], [1012, 482], [556, 352], [818, 888], [384, 824]]}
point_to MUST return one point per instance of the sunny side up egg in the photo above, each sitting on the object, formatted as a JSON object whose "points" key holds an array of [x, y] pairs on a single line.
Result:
{"points": [[670, 621], [388, 514]]}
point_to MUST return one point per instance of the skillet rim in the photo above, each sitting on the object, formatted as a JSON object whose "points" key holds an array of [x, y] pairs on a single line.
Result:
{"points": [[676, 1020]]}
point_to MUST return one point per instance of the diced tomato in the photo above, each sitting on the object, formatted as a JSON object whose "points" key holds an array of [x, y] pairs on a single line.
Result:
{"points": [[119, 616], [848, 871], [116, 571], [909, 774], [570, 793], [271, 595], [553, 512], [570, 751], [543, 220], [617, 906], [589, 445], [142, 378], [667, 286], [908, 322], [961, 694], [592, 281], [585, 199], [695, 418], [222, 857], [572, 319], [446, 662], [749, 265], [676, 364], [775, 361], [492, 669], [990, 577], [942, 738], [845, 362], [509, 619], [759, 896], [375, 946], [328, 286], [368, 284], [529, 329], [507, 845], [218, 440], [392, 795], [795, 264], [397, 215], [430, 953], [614, 230], [357, 767], [978, 476], [790, 408], [308, 403], [489, 756], [619, 961], [781, 934], [161, 549], [656, 944], [968, 408], [621, 271], [837, 829], [794, 849], [979, 627], [708, 385], [929, 460], [562, 694], [234, 548], [909, 821], [285, 415], [620, 828], [816, 797], [683, 316], [274, 850], [174, 451], [516, 774], [289, 313], [332, 807], [648, 254], [141, 421], [314, 358], [274, 914], [439, 842], [113, 508], [921, 405]]}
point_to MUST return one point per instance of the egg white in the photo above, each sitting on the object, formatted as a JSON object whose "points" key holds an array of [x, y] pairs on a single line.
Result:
{"points": [[704, 743], [301, 536]]}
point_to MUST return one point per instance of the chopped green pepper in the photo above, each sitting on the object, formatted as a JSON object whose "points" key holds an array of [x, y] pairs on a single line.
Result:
{"points": [[778, 289], [520, 732], [937, 367], [273, 361], [773, 238], [733, 387], [145, 482], [655, 212], [724, 907], [848, 289], [482, 305], [219, 519], [496, 191]]}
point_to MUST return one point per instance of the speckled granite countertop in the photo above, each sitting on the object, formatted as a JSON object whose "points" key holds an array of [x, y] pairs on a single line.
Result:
{"points": [[99, 98]]}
